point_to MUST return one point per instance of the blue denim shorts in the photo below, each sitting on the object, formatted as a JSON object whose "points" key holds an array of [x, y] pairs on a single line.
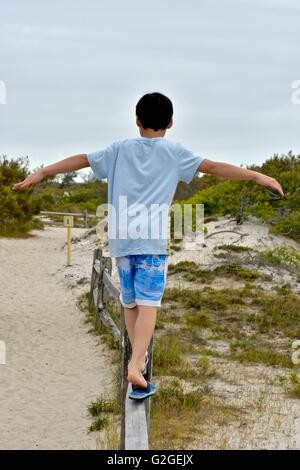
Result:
{"points": [[142, 279]]}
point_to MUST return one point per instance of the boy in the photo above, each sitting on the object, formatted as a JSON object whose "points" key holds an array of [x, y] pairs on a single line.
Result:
{"points": [[145, 171]]}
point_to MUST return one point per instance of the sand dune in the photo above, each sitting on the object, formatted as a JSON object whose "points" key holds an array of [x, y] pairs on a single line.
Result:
{"points": [[53, 367]]}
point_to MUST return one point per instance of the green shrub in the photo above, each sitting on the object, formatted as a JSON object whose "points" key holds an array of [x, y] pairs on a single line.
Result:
{"points": [[243, 198], [168, 352], [282, 255], [17, 208]]}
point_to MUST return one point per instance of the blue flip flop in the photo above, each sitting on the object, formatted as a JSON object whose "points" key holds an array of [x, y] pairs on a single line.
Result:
{"points": [[139, 393]]}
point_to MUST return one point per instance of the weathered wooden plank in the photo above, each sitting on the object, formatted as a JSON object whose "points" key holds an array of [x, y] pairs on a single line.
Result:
{"points": [[97, 266], [51, 223], [112, 289], [125, 355], [109, 323], [94, 279], [149, 377], [75, 214], [136, 431], [95, 295]]}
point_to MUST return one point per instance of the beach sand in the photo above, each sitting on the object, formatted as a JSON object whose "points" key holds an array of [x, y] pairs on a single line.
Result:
{"points": [[53, 369]]}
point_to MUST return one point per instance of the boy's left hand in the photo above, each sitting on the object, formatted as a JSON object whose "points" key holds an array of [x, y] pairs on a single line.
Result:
{"points": [[265, 180], [29, 181]]}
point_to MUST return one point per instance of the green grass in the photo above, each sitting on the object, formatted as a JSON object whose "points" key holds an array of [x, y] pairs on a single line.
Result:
{"points": [[204, 367], [236, 271], [275, 311], [235, 248], [280, 312], [199, 318], [175, 247], [88, 308], [294, 391], [165, 316], [177, 417], [257, 352], [281, 256], [222, 255], [192, 272], [208, 299], [99, 424], [169, 351], [186, 373], [174, 415], [101, 405], [105, 407], [172, 397]]}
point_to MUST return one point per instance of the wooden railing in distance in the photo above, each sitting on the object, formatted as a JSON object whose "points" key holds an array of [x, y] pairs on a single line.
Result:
{"points": [[81, 215], [135, 416]]}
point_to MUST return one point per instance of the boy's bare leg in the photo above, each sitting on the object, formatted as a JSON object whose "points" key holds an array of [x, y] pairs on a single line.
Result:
{"points": [[130, 315], [143, 332]]}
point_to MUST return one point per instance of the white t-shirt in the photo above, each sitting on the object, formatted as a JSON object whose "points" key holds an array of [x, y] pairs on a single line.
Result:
{"points": [[142, 176]]}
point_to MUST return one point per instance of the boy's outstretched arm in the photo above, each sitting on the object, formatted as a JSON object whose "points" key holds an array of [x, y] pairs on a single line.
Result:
{"points": [[63, 166], [226, 170]]}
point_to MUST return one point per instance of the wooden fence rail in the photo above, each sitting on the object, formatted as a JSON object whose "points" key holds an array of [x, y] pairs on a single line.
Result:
{"points": [[135, 416], [81, 215]]}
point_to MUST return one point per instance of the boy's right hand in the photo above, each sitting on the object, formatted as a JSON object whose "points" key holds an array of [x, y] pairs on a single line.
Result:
{"points": [[29, 181], [267, 181]]}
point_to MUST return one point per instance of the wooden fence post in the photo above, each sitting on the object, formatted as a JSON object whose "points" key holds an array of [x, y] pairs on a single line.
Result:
{"points": [[125, 356], [104, 264], [135, 417], [95, 277]]}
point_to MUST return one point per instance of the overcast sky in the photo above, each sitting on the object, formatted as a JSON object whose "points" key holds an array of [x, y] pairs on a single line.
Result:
{"points": [[74, 71]]}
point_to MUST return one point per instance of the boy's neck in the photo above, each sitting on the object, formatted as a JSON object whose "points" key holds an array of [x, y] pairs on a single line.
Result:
{"points": [[152, 133]]}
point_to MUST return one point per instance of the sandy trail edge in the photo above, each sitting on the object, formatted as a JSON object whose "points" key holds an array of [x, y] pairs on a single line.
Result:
{"points": [[53, 367]]}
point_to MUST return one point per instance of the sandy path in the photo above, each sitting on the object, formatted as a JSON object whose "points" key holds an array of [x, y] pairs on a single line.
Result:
{"points": [[53, 367]]}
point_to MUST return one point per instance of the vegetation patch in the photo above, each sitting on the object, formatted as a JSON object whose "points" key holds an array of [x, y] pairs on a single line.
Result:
{"points": [[273, 311], [243, 198], [168, 351], [277, 312], [294, 390], [192, 272], [98, 424], [281, 256], [236, 271], [193, 410], [258, 352], [234, 248], [90, 311], [200, 318]]}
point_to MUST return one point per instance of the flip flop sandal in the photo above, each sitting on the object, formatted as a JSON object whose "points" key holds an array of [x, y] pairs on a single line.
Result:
{"points": [[139, 393]]}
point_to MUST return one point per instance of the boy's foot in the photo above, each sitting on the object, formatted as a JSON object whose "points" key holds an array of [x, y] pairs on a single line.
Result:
{"points": [[136, 377], [143, 366]]}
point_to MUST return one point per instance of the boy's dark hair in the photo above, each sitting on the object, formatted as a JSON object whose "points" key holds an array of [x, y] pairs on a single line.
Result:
{"points": [[154, 111]]}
